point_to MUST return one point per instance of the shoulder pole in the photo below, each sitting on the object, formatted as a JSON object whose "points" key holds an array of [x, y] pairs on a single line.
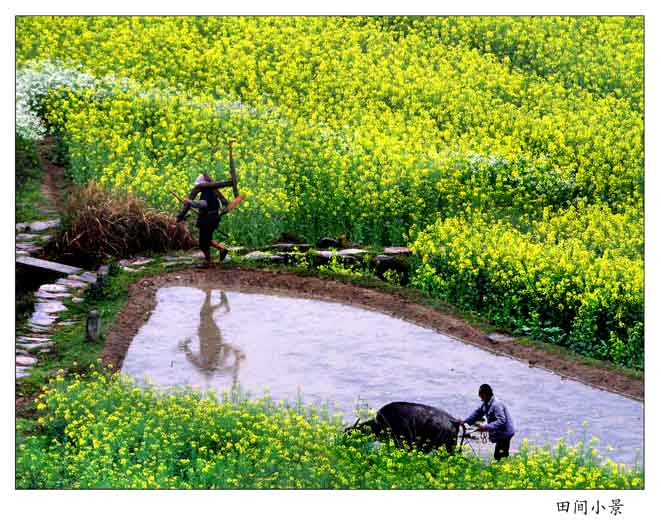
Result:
{"points": [[235, 187]]}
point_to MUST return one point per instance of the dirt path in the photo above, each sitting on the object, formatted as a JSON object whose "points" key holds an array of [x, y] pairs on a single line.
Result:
{"points": [[142, 301], [53, 184]]}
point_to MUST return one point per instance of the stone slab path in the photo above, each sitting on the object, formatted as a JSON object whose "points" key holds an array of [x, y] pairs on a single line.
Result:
{"points": [[47, 265], [50, 312]]}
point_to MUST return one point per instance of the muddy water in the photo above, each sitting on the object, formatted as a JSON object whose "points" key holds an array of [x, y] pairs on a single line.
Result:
{"points": [[335, 354]]}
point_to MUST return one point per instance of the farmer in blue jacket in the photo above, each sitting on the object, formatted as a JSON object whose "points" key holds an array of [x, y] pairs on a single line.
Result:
{"points": [[499, 423]]}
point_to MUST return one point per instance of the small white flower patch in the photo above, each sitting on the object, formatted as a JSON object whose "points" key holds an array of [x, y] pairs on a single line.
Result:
{"points": [[34, 80]]}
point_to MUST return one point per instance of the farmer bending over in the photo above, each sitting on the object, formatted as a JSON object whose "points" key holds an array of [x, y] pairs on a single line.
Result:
{"points": [[499, 423], [209, 207]]}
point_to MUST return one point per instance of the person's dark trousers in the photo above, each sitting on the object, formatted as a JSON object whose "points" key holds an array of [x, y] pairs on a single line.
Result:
{"points": [[502, 448], [207, 223], [206, 235]]}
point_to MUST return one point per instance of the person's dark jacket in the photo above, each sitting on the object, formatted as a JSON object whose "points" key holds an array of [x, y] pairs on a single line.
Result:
{"points": [[208, 200]]}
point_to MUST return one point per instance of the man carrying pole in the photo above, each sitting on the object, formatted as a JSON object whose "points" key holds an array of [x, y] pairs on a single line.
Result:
{"points": [[209, 208]]}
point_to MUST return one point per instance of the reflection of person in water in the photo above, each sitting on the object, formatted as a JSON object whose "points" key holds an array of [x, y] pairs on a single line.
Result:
{"points": [[214, 353]]}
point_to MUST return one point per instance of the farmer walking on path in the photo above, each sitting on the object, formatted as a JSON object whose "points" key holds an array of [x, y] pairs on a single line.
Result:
{"points": [[499, 423], [209, 206]]}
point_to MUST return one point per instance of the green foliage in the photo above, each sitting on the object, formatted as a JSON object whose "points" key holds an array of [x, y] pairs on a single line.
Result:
{"points": [[24, 306], [27, 161], [105, 432], [28, 181], [337, 266], [393, 277]]}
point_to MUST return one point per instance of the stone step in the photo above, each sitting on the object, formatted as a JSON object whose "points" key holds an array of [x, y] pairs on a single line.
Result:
{"points": [[141, 262], [137, 261], [27, 249], [24, 360], [51, 295], [49, 307], [323, 257], [27, 236], [352, 251], [262, 256], [397, 250], [39, 329], [71, 283], [325, 253], [22, 371], [87, 277], [29, 347], [497, 337], [53, 288], [41, 319], [48, 265], [175, 258], [31, 339], [343, 253], [257, 255], [43, 225], [287, 247]]}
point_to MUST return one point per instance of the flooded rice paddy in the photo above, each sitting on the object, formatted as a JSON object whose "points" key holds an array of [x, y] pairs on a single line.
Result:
{"points": [[340, 355]]}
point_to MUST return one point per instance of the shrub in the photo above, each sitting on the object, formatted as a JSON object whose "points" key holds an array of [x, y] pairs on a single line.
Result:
{"points": [[101, 225]]}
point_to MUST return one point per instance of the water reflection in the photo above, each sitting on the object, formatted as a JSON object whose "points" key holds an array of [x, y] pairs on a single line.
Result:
{"points": [[214, 353], [336, 353]]}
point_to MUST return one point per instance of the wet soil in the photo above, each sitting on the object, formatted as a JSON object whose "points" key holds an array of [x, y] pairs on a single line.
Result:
{"points": [[142, 301]]}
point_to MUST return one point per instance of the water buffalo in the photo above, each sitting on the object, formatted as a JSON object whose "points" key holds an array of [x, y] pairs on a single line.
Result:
{"points": [[416, 425]]}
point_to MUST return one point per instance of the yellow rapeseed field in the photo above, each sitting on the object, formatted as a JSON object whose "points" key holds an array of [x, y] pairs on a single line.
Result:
{"points": [[507, 150], [105, 432]]}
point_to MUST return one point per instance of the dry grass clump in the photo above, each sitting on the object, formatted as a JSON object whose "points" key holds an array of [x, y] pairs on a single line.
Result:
{"points": [[100, 225]]}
